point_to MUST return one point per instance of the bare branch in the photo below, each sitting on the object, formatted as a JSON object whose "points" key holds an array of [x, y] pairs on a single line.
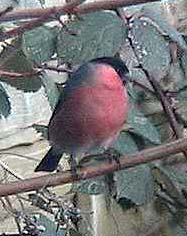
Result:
{"points": [[108, 5], [82, 9], [132, 160], [49, 13]]}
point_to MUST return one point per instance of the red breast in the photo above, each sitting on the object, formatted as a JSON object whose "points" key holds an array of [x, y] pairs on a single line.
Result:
{"points": [[92, 114]]}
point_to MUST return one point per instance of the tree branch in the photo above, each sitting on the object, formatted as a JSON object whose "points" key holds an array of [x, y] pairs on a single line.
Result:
{"points": [[132, 160], [24, 14], [49, 13], [82, 9]]}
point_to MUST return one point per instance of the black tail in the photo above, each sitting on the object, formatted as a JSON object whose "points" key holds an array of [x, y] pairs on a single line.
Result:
{"points": [[50, 161]]}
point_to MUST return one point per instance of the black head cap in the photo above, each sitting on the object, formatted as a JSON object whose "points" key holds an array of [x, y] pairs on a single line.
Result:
{"points": [[116, 63]]}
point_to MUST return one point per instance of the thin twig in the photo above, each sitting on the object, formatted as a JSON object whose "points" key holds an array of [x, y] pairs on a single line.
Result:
{"points": [[55, 68], [166, 106], [13, 173], [161, 96], [142, 157], [17, 155], [13, 75]]}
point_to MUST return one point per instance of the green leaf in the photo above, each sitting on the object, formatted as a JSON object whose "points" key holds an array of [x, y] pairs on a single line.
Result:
{"points": [[182, 93], [5, 106], [178, 81], [135, 184], [13, 59], [97, 34], [165, 178], [174, 175], [167, 29], [39, 44], [50, 89], [173, 184], [50, 227], [125, 144], [142, 126], [151, 48], [135, 93], [178, 223], [181, 111], [73, 232], [181, 105], [91, 186]]}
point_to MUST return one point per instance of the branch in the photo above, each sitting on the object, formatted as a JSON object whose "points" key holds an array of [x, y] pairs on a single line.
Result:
{"points": [[85, 8], [108, 5], [132, 160], [40, 12], [49, 13]]}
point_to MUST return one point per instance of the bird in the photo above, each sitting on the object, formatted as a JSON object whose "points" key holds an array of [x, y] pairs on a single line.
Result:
{"points": [[90, 113]]}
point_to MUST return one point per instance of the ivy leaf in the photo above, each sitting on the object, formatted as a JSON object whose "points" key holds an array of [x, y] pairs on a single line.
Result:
{"points": [[50, 227], [125, 143], [134, 184], [178, 223], [39, 44], [50, 89], [173, 183], [97, 34], [13, 59], [151, 48], [142, 126], [91, 186], [170, 177], [167, 29]]}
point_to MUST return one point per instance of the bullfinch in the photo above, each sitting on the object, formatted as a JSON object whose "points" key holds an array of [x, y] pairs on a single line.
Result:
{"points": [[90, 112]]}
